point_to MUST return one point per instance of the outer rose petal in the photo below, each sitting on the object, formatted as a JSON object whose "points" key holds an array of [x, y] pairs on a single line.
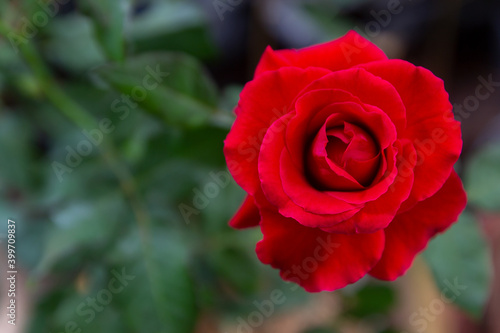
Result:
{"points": [[369, 88], [247, 216], [430, 125], [262, 101], [315, 259], [410, 232], [342, 53]]}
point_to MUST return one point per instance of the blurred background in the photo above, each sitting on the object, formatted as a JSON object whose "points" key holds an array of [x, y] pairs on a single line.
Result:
{"points": [[112, 120]]}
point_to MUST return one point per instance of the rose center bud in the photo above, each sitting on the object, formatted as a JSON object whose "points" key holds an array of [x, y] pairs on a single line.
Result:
{"points": [[344, 158]]}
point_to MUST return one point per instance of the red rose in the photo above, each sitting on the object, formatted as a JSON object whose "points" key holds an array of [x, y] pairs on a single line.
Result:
{"points": [[347, 158]]}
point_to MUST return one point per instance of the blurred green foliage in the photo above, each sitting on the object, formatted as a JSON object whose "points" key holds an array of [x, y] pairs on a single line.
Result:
{"points": [[459, 257], [107, 132], [483, 191], [109, 122]]}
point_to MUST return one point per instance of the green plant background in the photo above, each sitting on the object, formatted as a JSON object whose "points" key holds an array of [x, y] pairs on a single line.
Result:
{"points": [[119, 207]]}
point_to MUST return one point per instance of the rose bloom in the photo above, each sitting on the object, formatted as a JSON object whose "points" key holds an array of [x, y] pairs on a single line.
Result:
{"points": [[347, 158]]}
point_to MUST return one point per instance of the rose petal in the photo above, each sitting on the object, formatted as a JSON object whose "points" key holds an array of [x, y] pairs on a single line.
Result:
{"points": [[314, 259], [262, 101], [324, 159], [247, 215], [369, 89], [430, 124], [379, 213], [272, 186], [312, 110], [302, 125], [312, 114], [344, 52], [299, 189], [387, 173], [410, 232]]}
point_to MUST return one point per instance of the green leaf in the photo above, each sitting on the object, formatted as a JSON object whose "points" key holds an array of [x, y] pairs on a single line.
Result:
{"points": [[202, 147], [109, 20], [170, 282], [71, 43], [174, 26], [43, 319], [176, 175], [482, 177], [10, 62], [3, 9], [223, 206], [167, 16], [369, 300], [460, 257], [80, 225], [172, 87], [173, 287], [236, 269], [16, 151]]}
